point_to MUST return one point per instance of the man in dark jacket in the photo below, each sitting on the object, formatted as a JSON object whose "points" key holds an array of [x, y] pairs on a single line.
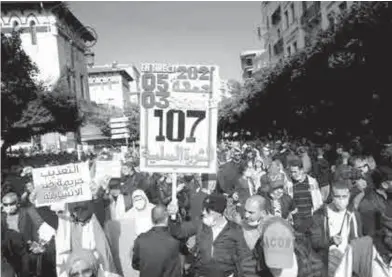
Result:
{"points": [[13, 251], [133, 180], [220, 244], [156, 253], [229, 174], [374, 203], [196, 201]]}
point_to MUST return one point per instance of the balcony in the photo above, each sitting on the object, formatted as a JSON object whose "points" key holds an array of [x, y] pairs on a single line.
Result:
{"points": [[312, 15]]}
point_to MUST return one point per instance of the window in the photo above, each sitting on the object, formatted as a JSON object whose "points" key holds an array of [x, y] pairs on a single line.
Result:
{"points": [[249, 62], [288, 51], [82, 85], [278, 47], [276, 17], [33, 33], [343, 6], [292, 12], [295, 47], [249, 73], [286, 18]]}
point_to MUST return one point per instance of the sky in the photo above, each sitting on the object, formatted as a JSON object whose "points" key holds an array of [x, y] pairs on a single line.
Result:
{"points": [[173, 32]]}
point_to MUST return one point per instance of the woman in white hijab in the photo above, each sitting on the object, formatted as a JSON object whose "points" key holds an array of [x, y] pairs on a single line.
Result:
{"points": [[122, 233]]}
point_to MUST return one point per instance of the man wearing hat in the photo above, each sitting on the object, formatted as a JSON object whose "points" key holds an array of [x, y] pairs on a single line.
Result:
{"points": [[371, 255], [374, 202], [275, 250], [220, 245]]}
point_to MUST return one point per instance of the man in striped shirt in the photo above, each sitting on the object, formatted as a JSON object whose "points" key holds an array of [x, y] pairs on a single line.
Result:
{"points": [[305, 193]]}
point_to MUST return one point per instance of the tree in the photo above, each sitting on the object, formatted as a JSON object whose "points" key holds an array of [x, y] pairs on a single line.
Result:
{"points": [[235, 87], [100, 116], [338, 83], [133, 112], [28, 107]]}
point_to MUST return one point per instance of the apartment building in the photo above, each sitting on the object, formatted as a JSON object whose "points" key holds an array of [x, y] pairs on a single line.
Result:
{"points": [[247, 59], [288, 26]]}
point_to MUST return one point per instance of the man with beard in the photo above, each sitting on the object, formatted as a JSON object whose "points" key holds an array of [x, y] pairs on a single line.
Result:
{"points": [[371, 255], [220, 245], [374, 203]]}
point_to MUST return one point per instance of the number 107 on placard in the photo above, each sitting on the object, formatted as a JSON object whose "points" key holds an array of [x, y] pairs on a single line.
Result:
{"points": [[180, 136]]}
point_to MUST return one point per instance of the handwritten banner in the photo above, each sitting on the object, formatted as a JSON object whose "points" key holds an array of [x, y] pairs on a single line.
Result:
{"points": [[178, 118], [108, 168], [65, 183]]}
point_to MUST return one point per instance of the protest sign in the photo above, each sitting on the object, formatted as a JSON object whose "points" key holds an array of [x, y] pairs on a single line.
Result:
{"points": [[111, 169], [278, 243], [65, 183], [178, 118]]}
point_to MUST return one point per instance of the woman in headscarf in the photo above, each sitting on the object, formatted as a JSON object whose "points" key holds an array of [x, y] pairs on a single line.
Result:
{"points": [[122, 233], [85, 263]]}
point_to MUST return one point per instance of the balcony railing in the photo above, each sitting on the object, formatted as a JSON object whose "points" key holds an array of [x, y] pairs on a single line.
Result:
{"points": [[312, 13]]}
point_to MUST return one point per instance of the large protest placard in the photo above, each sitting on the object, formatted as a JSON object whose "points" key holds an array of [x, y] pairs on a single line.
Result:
{"points": [[178, 118], [64, 183]]}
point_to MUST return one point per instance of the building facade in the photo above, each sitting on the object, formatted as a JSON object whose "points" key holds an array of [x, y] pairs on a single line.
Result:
{"points": [[247, 62], [110, 85], [56, 41], [225, 89], [288, 26]]}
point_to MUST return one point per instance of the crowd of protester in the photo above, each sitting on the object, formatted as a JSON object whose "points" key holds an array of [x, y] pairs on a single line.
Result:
{"points": [[334, 201]]}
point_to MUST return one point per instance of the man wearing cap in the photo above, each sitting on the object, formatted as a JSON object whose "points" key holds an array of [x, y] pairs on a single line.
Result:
{"points": [[374, 203], [275, 250], [371, 255], [220, 245]]}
